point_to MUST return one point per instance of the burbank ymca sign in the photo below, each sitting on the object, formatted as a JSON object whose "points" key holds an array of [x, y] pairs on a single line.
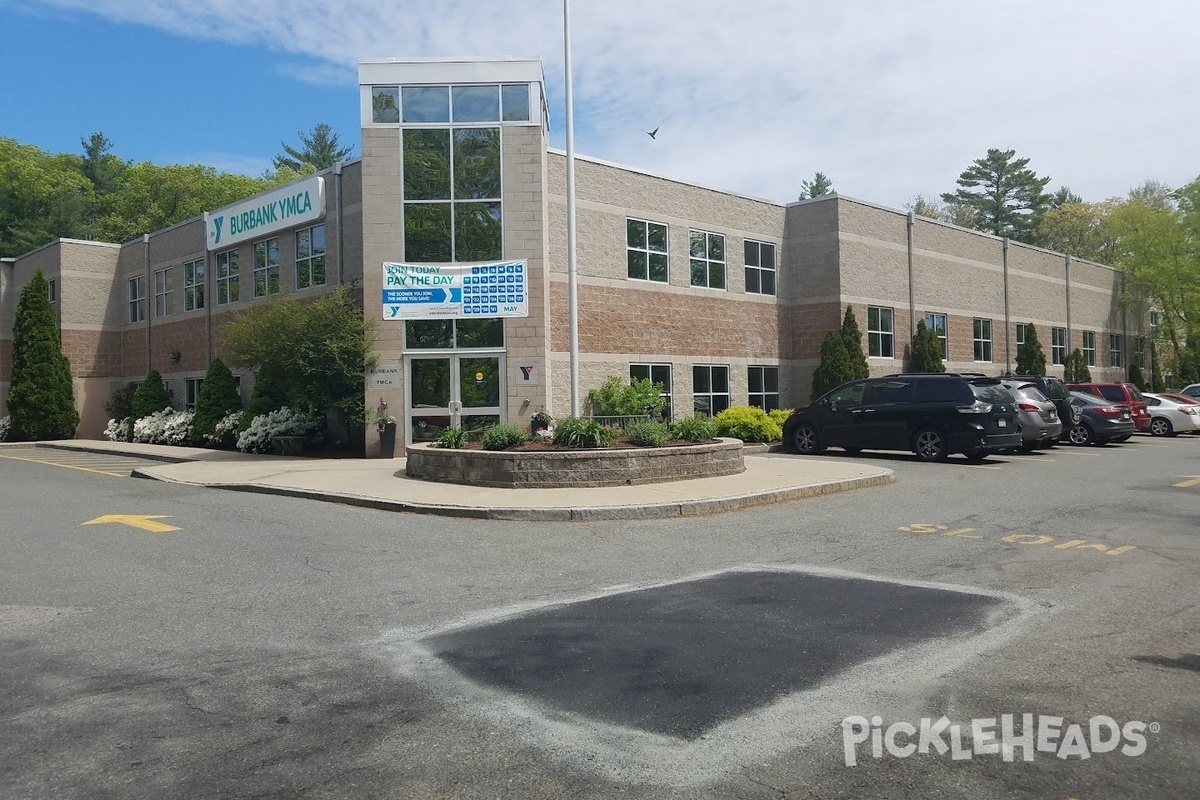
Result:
{"points": [[286, 207]]}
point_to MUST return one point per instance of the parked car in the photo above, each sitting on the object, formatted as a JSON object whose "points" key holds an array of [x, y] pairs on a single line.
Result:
{"points": [[1170, 417], [1120, 392], [1187, 400], [1037, 416], [932, 415], [1102, 421], [1056, 392], [1191, 390]]}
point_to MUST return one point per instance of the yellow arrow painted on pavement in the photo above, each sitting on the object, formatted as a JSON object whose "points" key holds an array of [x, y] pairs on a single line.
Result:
{"points": [[1192, 480], [144, 521]]}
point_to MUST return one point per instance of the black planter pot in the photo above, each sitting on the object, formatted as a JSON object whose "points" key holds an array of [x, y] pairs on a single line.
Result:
{"points": [[387, 441]]}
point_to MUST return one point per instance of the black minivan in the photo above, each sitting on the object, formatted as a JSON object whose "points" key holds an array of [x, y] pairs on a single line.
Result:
{"points": [[930, 414]]}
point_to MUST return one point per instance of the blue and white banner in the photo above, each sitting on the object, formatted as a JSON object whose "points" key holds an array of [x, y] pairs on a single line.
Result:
{"points": [[461, 291]]}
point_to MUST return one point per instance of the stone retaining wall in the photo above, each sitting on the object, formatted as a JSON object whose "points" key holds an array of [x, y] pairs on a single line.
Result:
{"points": [[530, 469]]}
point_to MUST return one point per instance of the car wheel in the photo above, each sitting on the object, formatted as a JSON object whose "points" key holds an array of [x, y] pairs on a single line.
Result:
{"points": [[930, 445], [1160, 427], [1081, 434], [804, 439]]}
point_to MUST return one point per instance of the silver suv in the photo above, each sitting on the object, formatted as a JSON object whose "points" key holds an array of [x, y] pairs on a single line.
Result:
{"points": [[1036, 414]]}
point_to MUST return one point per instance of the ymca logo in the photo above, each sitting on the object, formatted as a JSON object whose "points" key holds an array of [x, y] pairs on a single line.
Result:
{"points": [[217, 221]]}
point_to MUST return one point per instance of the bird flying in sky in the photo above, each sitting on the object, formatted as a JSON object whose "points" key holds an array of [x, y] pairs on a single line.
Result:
{"points": [[653, 134]]}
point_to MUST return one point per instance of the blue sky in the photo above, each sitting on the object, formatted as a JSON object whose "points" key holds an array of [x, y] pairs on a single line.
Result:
{"points": [[888, 99]]}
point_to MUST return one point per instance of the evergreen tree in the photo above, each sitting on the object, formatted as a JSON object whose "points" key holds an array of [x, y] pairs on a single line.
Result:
{"points": [[819, 186], [218, 399], [926, 353], [320, 149], [1031, 358], [151, 396], [41, 397], [835, 366], [1008, 196], [1076, 369], [1136, 378], [270, 394], [852, 341]]}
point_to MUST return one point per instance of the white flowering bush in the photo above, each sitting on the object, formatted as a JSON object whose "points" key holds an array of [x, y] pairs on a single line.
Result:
{"points": [[117, 430], [226, 430], [164, 427], [284, 422], [5, 427]]}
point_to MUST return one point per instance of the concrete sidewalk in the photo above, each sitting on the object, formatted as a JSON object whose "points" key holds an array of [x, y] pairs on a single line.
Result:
{"points": [[382, 484]]}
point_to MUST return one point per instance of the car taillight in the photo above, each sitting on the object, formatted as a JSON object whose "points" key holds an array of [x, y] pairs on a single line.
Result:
{"points": [[978, 407], [1108, 411], [1028, 407], [1194, 411]]}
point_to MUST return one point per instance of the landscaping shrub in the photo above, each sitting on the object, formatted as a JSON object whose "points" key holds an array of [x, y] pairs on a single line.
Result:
{"points": [[269, 394], [452, 438], [120, 407], [645, 433], [118, 430], [218, 398], [780, 416], [41, 398], [501, 437], [151, 396], [925, 354], [577, 432], [834, 368], [694, 429], [616, 398], [5, 427], [748, 424], [167, 426], [284, 422], [1031, 358], [225, 432]]}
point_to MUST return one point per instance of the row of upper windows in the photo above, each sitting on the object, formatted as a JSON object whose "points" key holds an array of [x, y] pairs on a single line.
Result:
{"points": [[647, 254], [507, 102], [310, 272], [881, 339]]}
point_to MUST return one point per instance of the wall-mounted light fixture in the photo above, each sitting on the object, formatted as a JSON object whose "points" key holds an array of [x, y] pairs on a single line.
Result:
{"points": [[175, 355]]}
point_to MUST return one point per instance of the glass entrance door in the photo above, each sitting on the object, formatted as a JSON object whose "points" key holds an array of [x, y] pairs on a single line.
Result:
{"points": [[447, 390]]}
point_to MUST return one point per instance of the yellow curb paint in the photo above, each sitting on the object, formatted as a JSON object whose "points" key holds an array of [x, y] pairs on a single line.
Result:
{"points": [[67, 466], [143, 521]]}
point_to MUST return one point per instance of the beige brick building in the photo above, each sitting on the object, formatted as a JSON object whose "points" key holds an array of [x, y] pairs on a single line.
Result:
{"points": [[723, 298]]}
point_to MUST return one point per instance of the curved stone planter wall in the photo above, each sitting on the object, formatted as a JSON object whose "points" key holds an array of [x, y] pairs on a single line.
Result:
{"points": [[545, 469]]}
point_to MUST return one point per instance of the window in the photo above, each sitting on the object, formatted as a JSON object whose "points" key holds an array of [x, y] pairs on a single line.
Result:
{"points": [[266, 267], [1139, 352], [983, 339], [514, 98], [760, 268], [191, 391], [193, 285], [708, 259], [452, 209], [385, 104], [646, 250], [880, 333], [764, 387], [1022, 332], [137, 298], [227, 277], [1154, 320], [52, 290], [937, 324], [1114, 350], [657, 373], [162, 292], [426, 103], [884, 392], [310, 257], [1089, 347], [448, 334], [1058, 346], [710, 390]]}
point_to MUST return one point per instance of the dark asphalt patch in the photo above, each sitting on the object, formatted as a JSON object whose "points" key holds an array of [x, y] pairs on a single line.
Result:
{"points": [[683, 658]]}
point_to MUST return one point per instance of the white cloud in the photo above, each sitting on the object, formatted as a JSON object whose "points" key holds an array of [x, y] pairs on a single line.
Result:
{"points": [[232, 162], [888, 99]]}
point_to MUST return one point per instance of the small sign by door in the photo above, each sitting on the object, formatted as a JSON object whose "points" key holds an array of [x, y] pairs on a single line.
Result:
{"points": [[527, 375], [384, 377]]}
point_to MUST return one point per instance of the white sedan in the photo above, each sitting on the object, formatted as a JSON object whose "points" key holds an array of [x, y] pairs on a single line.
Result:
{"points": [[1170, 417]]}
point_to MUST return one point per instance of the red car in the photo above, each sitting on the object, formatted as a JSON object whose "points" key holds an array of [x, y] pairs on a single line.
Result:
{"points": [[1121, 392]]}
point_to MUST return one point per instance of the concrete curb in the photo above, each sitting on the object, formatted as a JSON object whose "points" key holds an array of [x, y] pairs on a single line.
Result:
{"points": [[84, 448], [688, 508]]}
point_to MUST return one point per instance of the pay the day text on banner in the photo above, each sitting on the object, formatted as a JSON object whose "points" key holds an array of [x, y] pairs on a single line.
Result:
{"points": [[465, 291]]}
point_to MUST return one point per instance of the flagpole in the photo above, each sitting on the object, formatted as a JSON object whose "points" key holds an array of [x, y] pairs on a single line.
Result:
{"points": [[572, 269]]}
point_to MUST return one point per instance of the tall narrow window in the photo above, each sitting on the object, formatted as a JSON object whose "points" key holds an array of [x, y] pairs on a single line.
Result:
{"points": [[193, 285], [162, 292], [880, 332], [266, 267], [310, 257], [760, 267], [1139, 352], [710, 389], [983, 339], [646, 250], [707, 259], [657, 373], [1115, 350], [1058, 346], [937, 324], [137, 298], [1089, 347], [191, 391], [227, 277], [764, 387], [52, 290]]}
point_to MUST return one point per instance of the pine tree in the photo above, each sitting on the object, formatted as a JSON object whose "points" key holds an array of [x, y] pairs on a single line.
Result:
{"points": [[320, 149], [926, 353], [852, 341], [151, 396], [218, 398], [41, 398], [819, 186], [835, 366], [1031, 358]]}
